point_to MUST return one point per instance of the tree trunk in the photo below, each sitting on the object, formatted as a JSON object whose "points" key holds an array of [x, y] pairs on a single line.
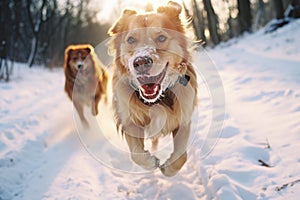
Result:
{"points": [[244, 15], [278, 9], [293, 10], [199, 22], [212, 22], [35, 25], [260, 19], [5, 21], [230, 19], [34, 46]]}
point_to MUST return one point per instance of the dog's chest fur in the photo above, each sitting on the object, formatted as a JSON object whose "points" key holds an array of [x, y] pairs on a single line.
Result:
{"points": [[156, 119], [85, 86]]}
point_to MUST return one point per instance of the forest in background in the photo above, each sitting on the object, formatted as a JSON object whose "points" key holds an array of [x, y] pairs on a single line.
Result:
{"points": [[37, 31]]}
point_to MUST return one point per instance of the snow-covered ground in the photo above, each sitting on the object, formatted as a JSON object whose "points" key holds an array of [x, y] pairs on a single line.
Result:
{"points": [[256, 156]]}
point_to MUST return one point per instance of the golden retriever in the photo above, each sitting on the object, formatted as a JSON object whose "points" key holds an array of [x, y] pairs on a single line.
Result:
{"points": [[154, 83], [86, 79]]}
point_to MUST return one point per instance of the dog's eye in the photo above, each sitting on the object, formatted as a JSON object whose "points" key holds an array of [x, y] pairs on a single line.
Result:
{"points": [[131, 40], [161, 38]]}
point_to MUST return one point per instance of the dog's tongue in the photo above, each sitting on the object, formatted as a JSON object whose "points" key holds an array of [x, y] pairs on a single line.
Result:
{"points": [[149, 88]]}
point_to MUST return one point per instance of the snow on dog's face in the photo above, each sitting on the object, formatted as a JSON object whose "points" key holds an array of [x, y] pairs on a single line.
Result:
{"points": [[151, 50]]}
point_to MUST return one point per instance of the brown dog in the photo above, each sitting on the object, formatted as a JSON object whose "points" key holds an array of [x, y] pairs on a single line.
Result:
{"points": [[86, 79], [154, 84]]}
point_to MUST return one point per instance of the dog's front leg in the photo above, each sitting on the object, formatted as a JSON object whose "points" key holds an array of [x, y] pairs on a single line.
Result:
{"points": [[79, 108], [138, 154], [179, 155], [95, 102]]}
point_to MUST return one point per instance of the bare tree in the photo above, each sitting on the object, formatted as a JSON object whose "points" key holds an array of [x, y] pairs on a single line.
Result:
{"points": [[293, 9], [278, 9], [5, 22], [199, 22], [244, 15], [230, 20], [260, 15], [38, 14], [58, 41], [213, 23]]}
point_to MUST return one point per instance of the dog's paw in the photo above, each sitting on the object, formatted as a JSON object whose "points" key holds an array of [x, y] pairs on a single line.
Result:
{"points": [[172, 166], [153, 164], [168, 170], [94, 111], [145, 160]]}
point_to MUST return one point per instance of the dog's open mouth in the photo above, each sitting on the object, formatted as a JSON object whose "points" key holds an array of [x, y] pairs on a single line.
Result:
{"points": [[150, 88]]}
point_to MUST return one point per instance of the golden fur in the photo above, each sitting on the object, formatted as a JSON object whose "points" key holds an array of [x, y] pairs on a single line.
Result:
{"points": [[153, 44], [86, 79]]}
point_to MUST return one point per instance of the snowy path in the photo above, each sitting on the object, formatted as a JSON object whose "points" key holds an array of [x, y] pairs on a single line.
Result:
{"points": [[261, 78], [42, 157], [256, 157]]}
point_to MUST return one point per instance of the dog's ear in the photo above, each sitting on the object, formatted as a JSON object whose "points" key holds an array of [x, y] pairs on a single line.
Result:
{"points": [[128, 12], [88, 49], [68, 52], [172, 9], [117, 27], [67, 57]]}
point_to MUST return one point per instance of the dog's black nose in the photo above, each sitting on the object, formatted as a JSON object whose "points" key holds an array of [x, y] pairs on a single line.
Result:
{"points": [[80, 66], [142, 64]]}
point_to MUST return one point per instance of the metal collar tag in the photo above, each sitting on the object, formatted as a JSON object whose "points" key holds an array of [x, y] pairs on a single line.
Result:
{"points": [[184, 80]]}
